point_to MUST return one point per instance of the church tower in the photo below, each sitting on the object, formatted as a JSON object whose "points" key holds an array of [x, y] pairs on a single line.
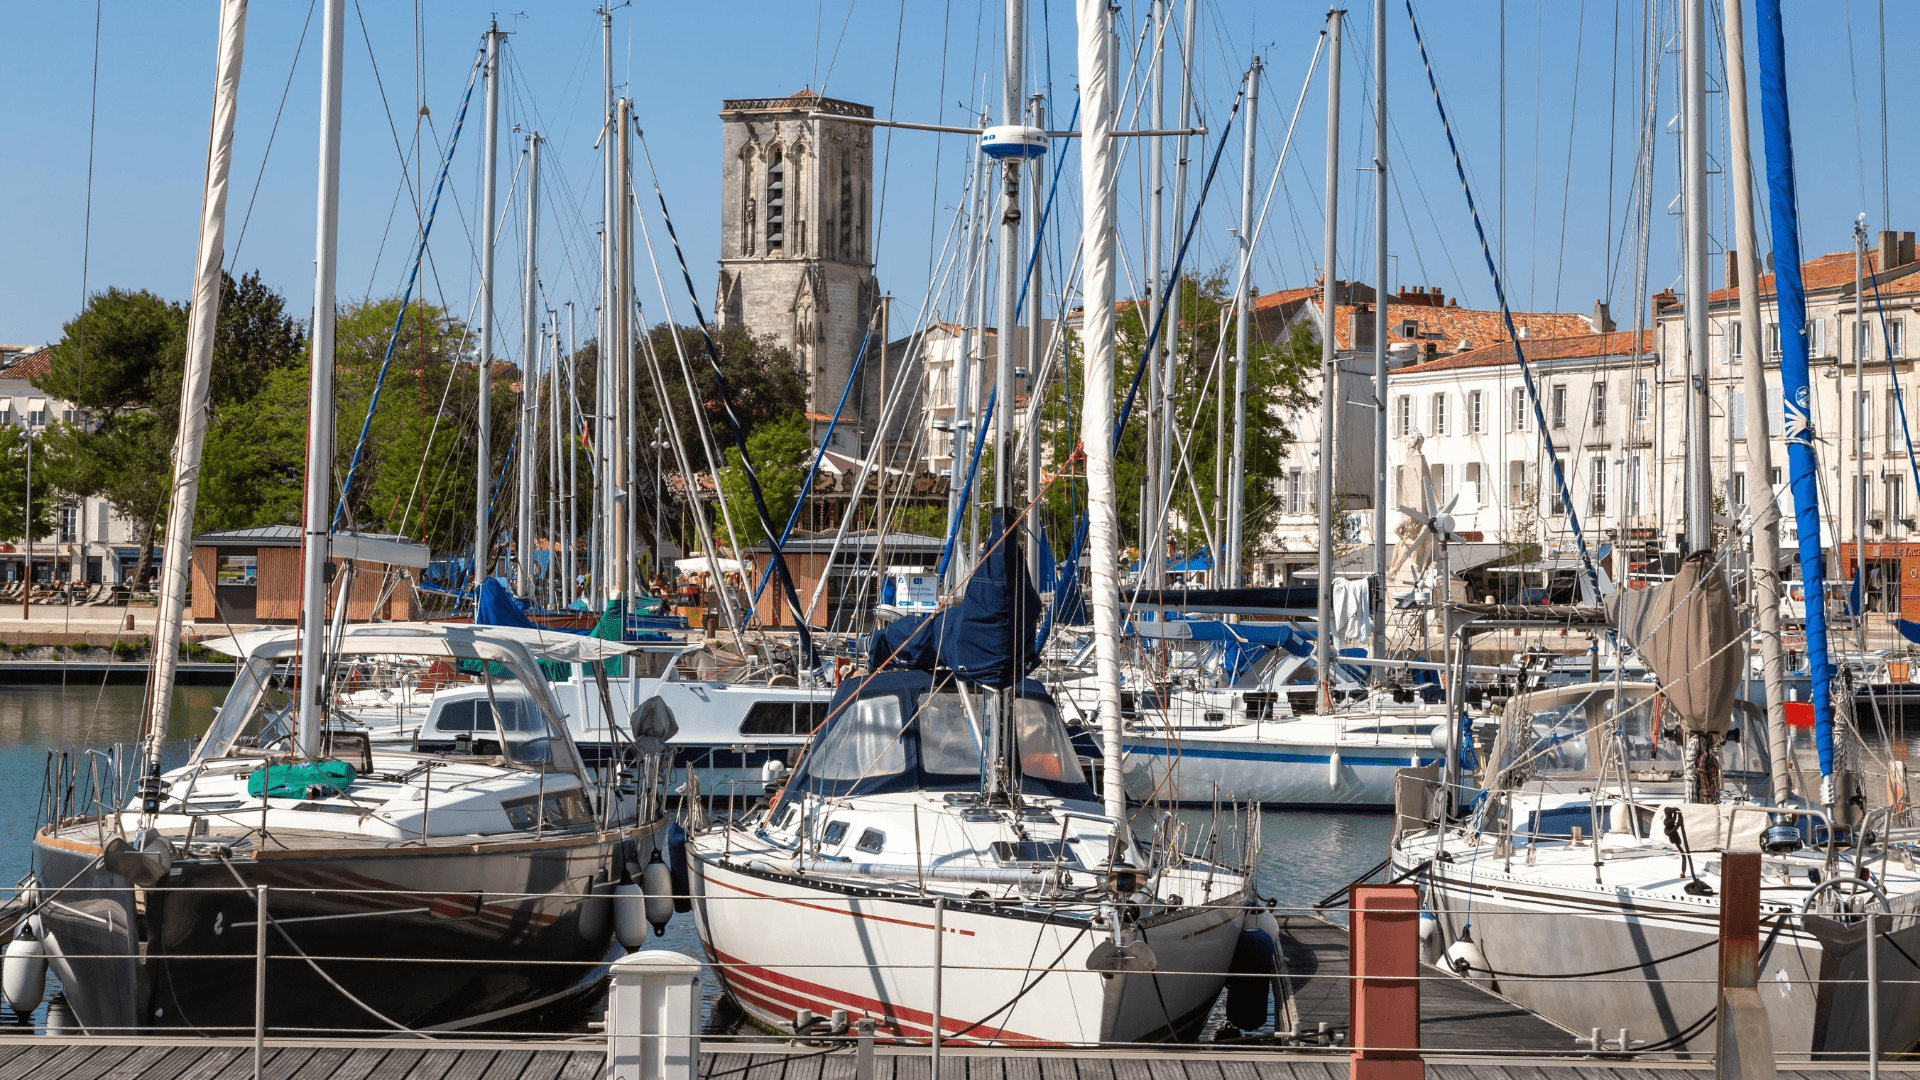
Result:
{"points": [[796, 234]]}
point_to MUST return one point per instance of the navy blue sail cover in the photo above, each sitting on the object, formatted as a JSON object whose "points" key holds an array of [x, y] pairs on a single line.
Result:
{"points": [[912, 731], [989, 638]]}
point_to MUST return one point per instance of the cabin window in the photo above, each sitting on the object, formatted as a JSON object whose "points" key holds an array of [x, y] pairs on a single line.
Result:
{"points": [[783, 718], [872, 841], [1034, 852], [947, 740], [836, 832], [864, 742], [1044, 749]]}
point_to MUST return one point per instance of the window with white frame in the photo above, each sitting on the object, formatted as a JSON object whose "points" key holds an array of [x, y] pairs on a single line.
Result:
{"points": [[1521, 413], [1636, 482], [1737, 488], [1896, 337], [1773, 341], [1737, 414], [1599, 406], [1863, 492], [1733, 341], [1296, 492], [1774, 415], [1517, 483], [1439, 414], [1598, 491], [1817, 337], [69, 524], [1893, 422], [1896, 504], [1476, 412], [1863, 413], [1403, 416], [1442, 491], [1559, 415], [1559, 506], [1642, 399]]}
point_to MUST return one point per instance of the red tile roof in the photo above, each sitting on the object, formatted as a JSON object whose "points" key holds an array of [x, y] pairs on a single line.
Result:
{"points": [[1447, 327], [30, 366], [1828, 271], [1617, 343], [1283, 297]]}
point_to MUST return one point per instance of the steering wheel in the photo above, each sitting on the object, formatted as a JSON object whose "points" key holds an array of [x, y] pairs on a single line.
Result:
{"points": [[1846, 891]]}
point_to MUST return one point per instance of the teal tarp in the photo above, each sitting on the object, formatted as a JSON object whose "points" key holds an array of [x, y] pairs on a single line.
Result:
{"points": [[297, 781]]}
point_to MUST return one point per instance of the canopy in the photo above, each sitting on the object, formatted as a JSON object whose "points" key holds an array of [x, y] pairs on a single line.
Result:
{"points": [[704, 564], [433, 639], [1298, 601], [1272, 635]]}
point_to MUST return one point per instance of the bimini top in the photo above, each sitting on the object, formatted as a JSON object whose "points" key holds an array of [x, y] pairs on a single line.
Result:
{"points": [[460, 640], [907, 731]]}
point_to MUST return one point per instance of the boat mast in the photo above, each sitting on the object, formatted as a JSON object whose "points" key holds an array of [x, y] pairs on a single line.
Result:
{"points": [[1243, 330], [529, 379], [1862, 342], [1790, 291], [1008, 339], [489, 189], [310, 718], [1329, 379], [556, 545], [603, 506], [1764, 565], [1699, 458], [572, 413], [1153, 539], [202, 319], [1170, 336], [1097, 281], [620, 381], [1036, 346], [1380, 294]]}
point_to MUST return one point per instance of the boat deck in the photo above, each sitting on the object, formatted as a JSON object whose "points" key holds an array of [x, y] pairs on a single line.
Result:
{"points": [[1455, 1015], [45, 1058]]}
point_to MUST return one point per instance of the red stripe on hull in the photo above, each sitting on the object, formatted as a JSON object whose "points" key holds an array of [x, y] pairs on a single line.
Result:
{"points": [[834, 911]]}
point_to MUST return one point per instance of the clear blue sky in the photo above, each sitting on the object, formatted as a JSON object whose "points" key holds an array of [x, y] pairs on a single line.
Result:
{"points": [[924, 60]]}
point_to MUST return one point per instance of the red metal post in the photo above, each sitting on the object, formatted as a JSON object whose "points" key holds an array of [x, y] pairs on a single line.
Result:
{"points": [[1384, 1026], [1740, 920]]}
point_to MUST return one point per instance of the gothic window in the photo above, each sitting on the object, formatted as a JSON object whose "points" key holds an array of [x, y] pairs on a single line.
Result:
{"points": [[846, 204], [776, 208]]}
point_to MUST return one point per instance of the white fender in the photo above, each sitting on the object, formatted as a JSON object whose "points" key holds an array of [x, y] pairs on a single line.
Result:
{"points": [[60, 1019], [657, 882], [1465, 959], [24, 971], [629, 915], [1333, 769]]}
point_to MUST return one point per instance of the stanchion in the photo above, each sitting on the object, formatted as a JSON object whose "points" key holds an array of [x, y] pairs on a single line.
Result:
{"points": [[259, 981], [939, 949], [1385, 1031], [1745, 1050]]}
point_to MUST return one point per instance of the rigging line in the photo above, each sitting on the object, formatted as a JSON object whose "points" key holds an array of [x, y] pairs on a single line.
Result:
{"points": [[733, 418], [271, 133], [1533, 240], [385, 106], [86, 224], [835, 58], [406, 296], [1566, 188], [1853, 81], [1886, 191], [1506, 314], [1613, 132]]}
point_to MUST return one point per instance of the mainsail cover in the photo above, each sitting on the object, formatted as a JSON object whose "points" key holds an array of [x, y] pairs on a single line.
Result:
{"points": [[988, 638], [1685, 631]]}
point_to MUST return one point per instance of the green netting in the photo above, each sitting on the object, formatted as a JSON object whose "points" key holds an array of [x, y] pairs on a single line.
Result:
{"points": [[296, 781]]}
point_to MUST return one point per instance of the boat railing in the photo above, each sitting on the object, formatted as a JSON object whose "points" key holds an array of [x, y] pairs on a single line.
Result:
{"points": [[1310, 972]]}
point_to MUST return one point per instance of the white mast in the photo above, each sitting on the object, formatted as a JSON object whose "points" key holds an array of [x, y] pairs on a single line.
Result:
{"points": [[1008, 337], [1765, 567], [1153, 540], [620, 381], [603, 505], [1329, 381], [311, 718], [1103, 549], [529, 377], [1170, 337], [573, 460], [1236, 498], [1699, 459], [1380, 293], [489, 187], [205, 313]]}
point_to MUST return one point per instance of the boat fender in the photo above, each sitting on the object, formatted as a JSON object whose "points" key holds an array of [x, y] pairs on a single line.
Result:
{"points": [[60, 1019], [629, 915], [1333, 769], [1429, 926], [656, 881], [1264, 921], [1465, 959], [24, 971], [677, 866], [1250, 980]]}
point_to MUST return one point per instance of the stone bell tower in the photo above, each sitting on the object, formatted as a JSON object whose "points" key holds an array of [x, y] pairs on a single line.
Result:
{"points": [[796, 235]]}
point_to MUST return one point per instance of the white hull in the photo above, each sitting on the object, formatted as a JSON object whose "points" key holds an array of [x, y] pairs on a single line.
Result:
{"points": [[782, 943], [1308, 762]]}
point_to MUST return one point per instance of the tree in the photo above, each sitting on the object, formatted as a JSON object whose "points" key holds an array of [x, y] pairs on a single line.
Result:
{"points": [[782, 451], [13, 487], [111, 356]]}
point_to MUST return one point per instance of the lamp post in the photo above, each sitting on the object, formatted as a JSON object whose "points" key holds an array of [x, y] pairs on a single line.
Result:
{"points": [[26, 594]]}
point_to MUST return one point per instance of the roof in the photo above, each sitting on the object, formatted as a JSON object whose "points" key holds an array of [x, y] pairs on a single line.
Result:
{"points": [[805, 99], [1830, 271], [1283, 297], [31, 366], [1447, 327], [1617, 343]]}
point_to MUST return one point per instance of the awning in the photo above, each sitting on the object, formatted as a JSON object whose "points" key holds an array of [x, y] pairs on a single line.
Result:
{"points": [[38, 404], [701, 564]]}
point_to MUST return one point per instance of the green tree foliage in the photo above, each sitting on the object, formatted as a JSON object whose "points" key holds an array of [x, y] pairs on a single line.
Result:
{"points": [[13, 487], [1279, 381], [782, 451], [121, 361]]}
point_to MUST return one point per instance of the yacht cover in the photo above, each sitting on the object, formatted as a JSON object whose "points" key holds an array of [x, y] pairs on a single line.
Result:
{"points": [[1684, 630], [989, 638]]}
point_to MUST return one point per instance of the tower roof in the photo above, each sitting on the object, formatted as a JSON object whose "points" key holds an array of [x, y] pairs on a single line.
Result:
{"points": [[804, 101]]}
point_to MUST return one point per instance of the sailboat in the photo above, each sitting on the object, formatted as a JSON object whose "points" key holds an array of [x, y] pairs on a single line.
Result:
{"points": [[289, 858], [1583, 881]]}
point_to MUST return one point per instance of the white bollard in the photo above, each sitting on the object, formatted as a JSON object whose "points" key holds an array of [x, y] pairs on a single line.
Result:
{"points": [[653, 1017]]}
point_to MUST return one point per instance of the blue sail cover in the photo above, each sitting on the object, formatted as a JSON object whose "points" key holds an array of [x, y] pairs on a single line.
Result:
{"points": [[989, 638], [499, 608], [1790, 291]]}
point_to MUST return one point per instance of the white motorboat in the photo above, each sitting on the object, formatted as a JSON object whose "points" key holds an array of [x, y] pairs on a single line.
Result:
{"points": [[898, 836]]}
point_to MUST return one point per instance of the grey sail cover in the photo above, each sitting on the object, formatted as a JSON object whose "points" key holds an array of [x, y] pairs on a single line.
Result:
{"points": [[1685, 630], [653, 725]]}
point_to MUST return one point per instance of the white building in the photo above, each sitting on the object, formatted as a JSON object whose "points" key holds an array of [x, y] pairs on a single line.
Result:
{"points": [[90, 543]]}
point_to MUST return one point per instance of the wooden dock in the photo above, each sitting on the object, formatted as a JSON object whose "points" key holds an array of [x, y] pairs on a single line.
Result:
{"points": [[47, 1058]]}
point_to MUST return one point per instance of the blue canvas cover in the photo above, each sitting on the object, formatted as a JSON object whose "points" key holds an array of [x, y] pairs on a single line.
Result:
{"points": [[499, 608], [989, 638]]}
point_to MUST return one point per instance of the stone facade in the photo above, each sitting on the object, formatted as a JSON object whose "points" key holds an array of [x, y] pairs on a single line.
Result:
{"points": [[796, 234]]}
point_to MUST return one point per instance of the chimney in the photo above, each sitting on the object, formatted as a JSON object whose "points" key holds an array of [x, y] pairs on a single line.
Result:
{"points": [[1889, 250], [1733, 269], [1906, 248], [1360, 327], [1602, 318]]}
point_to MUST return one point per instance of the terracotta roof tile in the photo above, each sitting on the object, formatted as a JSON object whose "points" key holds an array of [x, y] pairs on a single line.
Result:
{"points": [[1447, 327], [1283, 297], [1828, 271], [1617, 343], [30, 366]]}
